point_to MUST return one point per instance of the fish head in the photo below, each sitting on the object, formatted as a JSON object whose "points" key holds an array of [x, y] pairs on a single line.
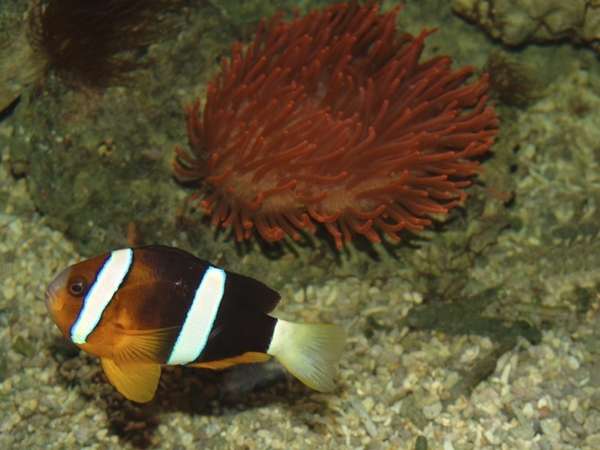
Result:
{"points": [[65, 295]]}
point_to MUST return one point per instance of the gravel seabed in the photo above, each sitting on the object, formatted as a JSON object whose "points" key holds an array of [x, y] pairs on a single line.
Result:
{"points": [[396, 386]]}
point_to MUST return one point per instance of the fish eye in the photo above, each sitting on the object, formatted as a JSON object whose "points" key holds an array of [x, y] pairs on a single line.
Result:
{"points": [[77, 286]]}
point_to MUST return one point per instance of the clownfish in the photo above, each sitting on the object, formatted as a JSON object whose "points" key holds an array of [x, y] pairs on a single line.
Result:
{"points": [[138, 309]]}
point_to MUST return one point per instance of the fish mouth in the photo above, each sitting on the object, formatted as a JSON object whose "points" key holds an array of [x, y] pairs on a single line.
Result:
{"points": [[50, 301], [52, 296]]}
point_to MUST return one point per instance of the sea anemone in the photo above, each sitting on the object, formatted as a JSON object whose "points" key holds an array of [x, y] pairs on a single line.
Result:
{"points": [[331, 119], [99, 43]]}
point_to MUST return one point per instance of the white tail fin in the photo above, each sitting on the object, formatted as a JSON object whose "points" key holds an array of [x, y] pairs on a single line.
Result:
{"points": [[309, 351]]}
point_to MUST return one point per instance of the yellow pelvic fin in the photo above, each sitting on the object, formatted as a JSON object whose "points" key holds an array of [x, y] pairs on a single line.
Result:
{"points": [[135, 381], [246, 358], [145, 346], [309, 351]]}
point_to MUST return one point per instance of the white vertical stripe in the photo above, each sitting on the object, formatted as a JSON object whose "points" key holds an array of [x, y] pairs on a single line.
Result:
{"points": [[200, 317], [101, 292]]}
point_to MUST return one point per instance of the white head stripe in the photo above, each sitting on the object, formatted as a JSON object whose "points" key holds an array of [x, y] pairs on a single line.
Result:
{"points": [[100, 294], [200, 317]]}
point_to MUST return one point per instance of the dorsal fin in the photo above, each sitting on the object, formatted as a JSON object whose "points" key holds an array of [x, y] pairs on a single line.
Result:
{"points": [[240, 288], [177, 252], [251, 292]]}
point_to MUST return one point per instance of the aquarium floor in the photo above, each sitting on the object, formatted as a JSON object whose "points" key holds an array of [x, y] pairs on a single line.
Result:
{"points": [[395, 384]]}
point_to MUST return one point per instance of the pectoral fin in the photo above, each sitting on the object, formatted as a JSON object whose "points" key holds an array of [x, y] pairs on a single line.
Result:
{"points": [[145, 346], [135, 381]]}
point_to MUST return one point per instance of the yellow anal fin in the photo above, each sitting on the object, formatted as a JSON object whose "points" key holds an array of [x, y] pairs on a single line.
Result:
{"points": [[246, 358], [136, 381]]}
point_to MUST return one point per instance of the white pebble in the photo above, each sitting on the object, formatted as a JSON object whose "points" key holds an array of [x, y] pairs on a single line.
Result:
{"points": [[187, 439], [505, 374], [332, 297], [299, 296], [470, 354], [573, 404], [417, 298], [432, 411], [572, 363], [101, 434], [528, 411], [368, 403], [9, 292]]}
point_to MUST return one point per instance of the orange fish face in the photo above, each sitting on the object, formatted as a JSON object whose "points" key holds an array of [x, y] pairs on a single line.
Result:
{"points": [[65, 295]]}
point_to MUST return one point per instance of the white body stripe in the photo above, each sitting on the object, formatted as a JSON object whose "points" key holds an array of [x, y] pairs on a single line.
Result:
{"points": [[100, 294], [200, 317]]}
